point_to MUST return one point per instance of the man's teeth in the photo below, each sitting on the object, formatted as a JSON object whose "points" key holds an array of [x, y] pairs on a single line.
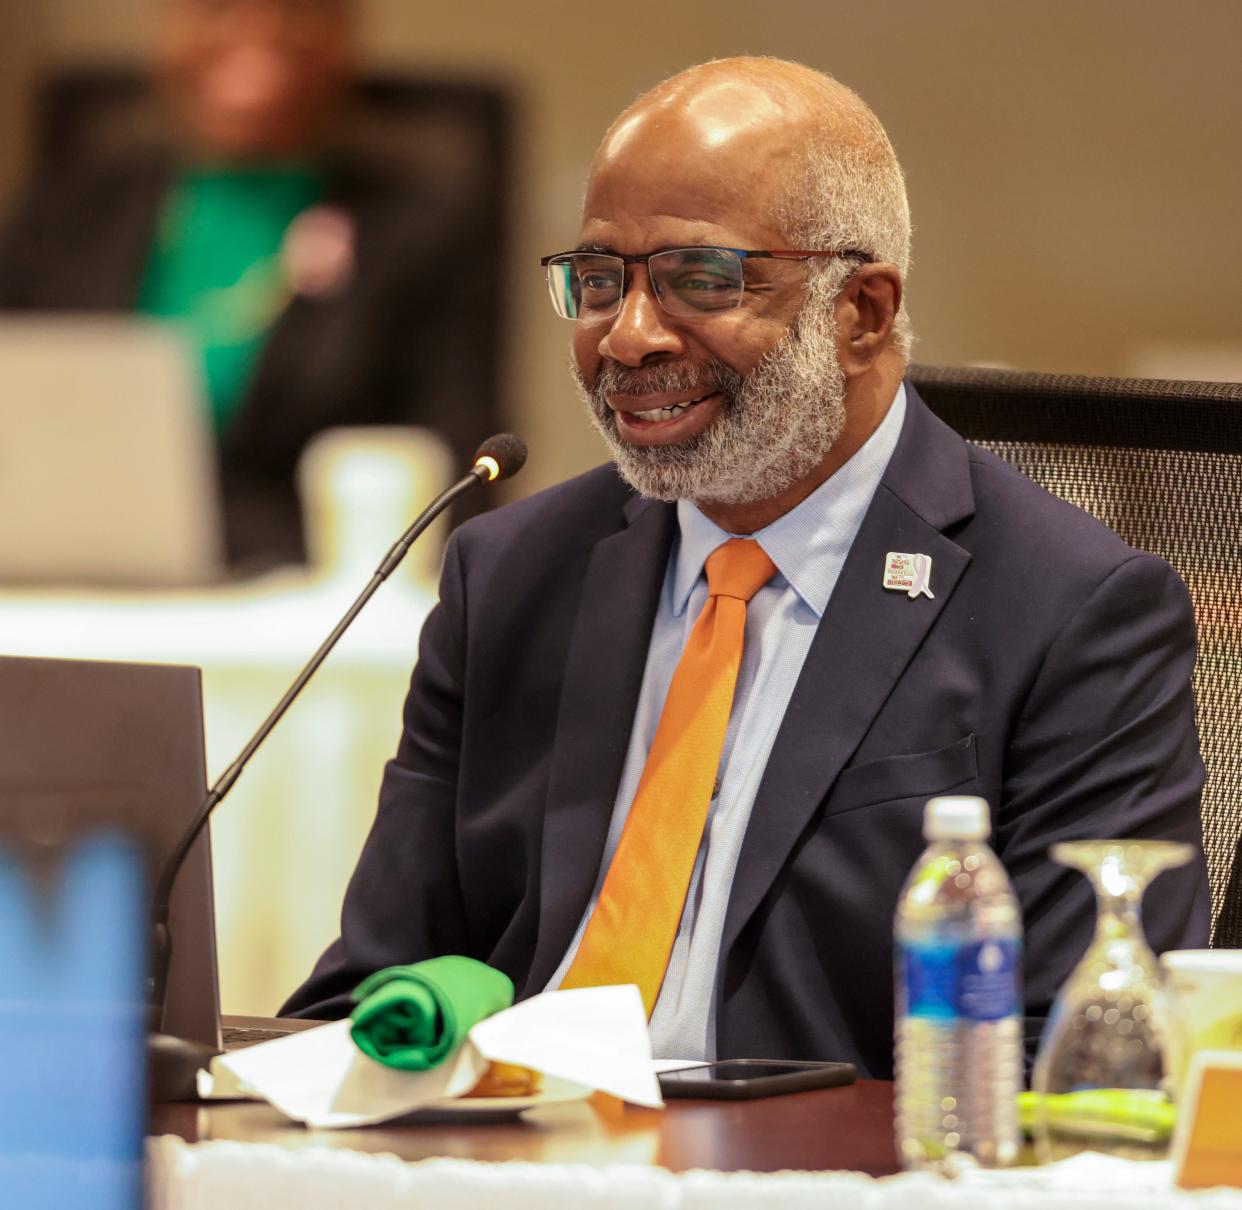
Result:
{"points": [[668, 413]]}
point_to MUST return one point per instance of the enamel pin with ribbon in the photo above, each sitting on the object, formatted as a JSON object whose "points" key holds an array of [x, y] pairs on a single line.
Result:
{"points": [[910, 574]]}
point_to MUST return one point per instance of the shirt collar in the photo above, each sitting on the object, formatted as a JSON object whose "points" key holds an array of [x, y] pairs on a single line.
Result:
{"points": [[809, 543]]}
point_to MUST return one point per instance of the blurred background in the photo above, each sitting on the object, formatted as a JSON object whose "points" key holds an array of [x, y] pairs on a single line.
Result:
{"points": [[1074, 181]]}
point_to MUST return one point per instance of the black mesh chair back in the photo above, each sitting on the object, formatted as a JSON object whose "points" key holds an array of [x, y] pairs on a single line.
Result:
{"points": [[1160, 463]]}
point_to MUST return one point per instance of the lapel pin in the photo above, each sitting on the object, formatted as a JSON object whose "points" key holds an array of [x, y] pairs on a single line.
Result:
{"points": [[910, 574]]}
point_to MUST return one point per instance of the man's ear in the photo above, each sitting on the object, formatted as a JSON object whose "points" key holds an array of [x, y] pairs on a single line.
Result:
{"points": [[865, 311]]}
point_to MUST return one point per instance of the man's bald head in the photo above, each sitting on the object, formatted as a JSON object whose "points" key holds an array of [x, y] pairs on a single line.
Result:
{"points": [[797, 147], [781, 100]]}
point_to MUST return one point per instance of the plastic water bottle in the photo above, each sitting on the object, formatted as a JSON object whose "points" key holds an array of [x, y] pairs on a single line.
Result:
{"points": [[959, 998]]}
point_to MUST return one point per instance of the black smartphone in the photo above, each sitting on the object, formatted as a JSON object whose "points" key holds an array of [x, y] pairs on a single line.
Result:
{"points": [[745, 1079]]}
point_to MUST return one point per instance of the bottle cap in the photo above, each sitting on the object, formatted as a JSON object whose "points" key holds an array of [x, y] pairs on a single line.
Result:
{"points": [[957, 817]]}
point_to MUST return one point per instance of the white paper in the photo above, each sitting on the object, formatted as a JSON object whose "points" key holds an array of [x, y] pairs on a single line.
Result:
{"points": [[595, 1037]]}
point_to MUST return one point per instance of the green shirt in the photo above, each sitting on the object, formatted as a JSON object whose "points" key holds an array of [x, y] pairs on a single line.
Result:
{"points": [[215, 266]]}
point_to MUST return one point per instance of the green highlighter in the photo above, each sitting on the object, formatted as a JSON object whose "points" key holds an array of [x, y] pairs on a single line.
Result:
{"points": [[1140, 1115], [413, 1017]]}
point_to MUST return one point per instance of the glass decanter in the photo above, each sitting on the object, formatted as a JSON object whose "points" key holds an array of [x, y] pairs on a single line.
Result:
{"points": [[1103, 1071]]}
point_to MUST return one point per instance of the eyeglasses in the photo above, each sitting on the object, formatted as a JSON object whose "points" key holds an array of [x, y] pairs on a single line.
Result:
{"points": [[688, 282]]}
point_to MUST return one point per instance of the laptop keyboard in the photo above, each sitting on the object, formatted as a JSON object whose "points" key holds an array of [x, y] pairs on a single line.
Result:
{"points": [[238, 1037]]}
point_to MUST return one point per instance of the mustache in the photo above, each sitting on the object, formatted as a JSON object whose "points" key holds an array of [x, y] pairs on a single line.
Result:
{"points": [[701, 378], [615, 379]]}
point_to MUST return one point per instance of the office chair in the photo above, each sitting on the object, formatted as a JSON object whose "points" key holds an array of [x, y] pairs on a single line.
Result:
{"points": [[451, 136], [1160, 463]]}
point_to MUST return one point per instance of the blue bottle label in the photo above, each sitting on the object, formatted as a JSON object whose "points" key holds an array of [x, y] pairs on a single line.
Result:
{"points": [[976, 981], [990, 974]]}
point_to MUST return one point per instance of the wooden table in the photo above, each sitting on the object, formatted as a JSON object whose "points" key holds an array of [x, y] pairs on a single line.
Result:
{"points": [[849, 1128]]}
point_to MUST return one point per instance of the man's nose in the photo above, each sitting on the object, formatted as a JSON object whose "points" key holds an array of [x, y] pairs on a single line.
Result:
{"points": [[640, 329]]}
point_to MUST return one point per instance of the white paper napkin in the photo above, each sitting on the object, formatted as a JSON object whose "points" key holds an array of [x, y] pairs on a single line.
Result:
{"points": [[595, 1037]]}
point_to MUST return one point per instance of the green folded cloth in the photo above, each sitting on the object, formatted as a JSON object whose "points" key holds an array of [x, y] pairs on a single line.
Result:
{"points": [[413, 1017], [1139, 1115]]}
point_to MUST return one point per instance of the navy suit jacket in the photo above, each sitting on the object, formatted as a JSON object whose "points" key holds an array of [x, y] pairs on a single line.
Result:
{"points": [[1050, 674]]}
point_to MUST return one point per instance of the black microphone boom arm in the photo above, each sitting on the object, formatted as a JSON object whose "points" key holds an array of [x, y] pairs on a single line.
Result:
{"points": [[498, 457]]}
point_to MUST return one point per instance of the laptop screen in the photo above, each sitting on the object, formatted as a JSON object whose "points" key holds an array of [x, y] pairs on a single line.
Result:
{"points": [[71, 727], [107, 416]]}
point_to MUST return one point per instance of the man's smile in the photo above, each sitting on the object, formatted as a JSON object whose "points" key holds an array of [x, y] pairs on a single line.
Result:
{"points": [[661, 419]]}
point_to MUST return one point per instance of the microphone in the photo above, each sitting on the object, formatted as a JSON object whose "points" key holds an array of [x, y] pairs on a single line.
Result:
{"points": [[173, 1061], [501, 456]]}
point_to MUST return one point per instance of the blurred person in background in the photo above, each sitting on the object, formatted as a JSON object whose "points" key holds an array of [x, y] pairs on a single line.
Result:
{"points": [[319, 287]]}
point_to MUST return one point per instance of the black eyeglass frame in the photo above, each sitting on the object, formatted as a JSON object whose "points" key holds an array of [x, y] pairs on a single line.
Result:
{"points": [[743, 254]]}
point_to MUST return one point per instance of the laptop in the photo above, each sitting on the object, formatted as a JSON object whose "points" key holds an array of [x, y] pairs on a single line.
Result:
{"points": [[78, 730], [108, 467]]}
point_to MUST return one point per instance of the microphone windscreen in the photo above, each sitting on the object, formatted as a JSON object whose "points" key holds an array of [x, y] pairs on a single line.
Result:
{"points": [[506, 451]]}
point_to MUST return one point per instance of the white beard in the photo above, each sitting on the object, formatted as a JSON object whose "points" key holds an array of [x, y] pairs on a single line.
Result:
{"points": [[777, 423]]}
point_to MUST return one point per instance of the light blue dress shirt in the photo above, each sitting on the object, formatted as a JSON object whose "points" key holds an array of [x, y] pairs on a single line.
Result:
{"points": [[808, 545]]}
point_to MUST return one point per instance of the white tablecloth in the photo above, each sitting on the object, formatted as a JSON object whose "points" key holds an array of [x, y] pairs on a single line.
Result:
{"points": [[247, 1176]]}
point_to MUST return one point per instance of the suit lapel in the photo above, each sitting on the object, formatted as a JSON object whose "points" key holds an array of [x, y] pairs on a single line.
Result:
{"points": [[603, 677], [865, 639]]}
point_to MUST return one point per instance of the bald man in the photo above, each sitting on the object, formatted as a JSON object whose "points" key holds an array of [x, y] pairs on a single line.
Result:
{"points": [[924, 620]]}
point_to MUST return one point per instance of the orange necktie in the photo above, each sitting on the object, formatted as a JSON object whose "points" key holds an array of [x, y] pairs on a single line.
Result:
{"points": [[630, 933]]}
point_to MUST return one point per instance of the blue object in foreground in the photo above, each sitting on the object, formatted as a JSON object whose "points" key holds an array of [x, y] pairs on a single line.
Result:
{"points": [[72, 1028]]}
